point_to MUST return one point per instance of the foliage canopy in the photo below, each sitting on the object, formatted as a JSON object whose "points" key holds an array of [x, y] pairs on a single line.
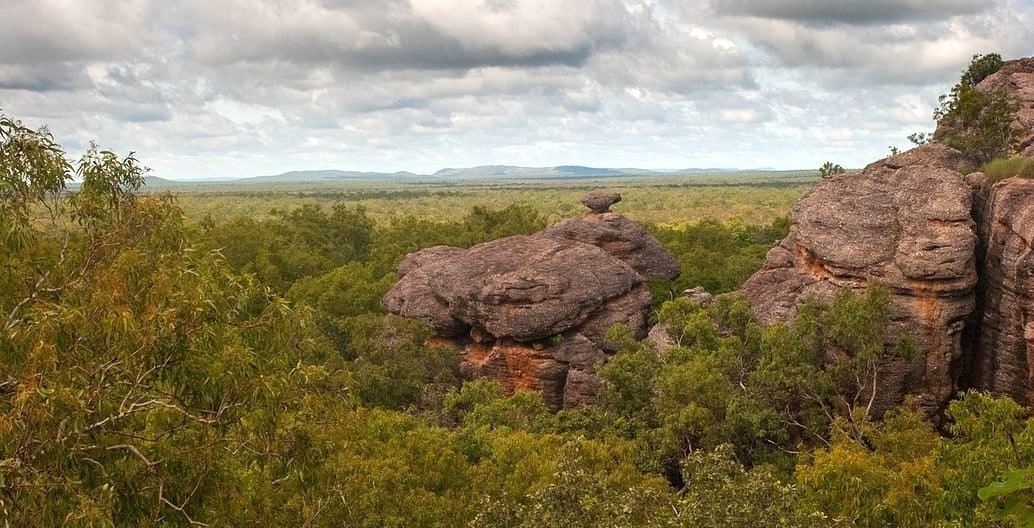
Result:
{"points": [[160, 372]]}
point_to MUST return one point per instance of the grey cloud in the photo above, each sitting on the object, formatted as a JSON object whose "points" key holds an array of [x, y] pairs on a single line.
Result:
{"points": [[45, 77], [42, 31], [673, 58], [853, 12], [400, 35], [899, 54], [241, 86]]}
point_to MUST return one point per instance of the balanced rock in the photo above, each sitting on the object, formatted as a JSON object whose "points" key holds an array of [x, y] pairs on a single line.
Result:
{"points": [[599, 201]]}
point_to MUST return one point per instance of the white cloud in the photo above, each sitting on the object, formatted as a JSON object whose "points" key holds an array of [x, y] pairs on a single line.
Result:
{"points": [[245, 87]]}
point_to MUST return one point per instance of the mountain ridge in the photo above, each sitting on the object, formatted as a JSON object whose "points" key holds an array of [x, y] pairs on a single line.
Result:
{"points": [[477, 172]]}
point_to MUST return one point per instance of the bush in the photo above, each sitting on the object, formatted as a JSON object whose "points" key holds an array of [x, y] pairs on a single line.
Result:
{"points": [[978, 124]]}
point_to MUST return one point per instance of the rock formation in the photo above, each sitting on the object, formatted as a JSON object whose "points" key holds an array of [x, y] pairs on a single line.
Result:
{"points": [[533, 311], [955, 252], [903, 222], [600, 202], [1004, 336], [620, 237]]}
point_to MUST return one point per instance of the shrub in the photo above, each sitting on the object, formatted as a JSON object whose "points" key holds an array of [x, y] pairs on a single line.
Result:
{"points": [[978, 124]]}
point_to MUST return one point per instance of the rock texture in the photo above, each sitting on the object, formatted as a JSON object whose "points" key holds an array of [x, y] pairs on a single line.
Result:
{"points": [[1005, 335], [521, 287], [904, 222], [622, 238], [955, 252], [533, 311], [600, 202]]}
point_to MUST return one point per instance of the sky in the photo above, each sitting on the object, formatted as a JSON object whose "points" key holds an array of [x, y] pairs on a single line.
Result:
{"points": [[237, 88]]}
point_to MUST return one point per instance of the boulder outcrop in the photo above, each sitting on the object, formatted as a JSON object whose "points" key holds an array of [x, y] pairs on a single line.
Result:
{"points": [[622, 238], [533, 311], [954, 251], [524, 288], [904, 222]]}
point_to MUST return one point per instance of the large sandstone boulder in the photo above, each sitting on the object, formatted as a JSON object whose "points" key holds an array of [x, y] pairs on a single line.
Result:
{"points": [[413, 297], [533, 311], [522, 287], [903, 222]]}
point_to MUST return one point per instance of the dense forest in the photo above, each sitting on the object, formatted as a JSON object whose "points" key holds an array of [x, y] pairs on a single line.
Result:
{"points": [[160, 367]]}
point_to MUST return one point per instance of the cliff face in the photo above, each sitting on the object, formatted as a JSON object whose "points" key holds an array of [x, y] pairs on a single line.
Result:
{"points": [[904, 222], [1004, 337], [955, 252]]}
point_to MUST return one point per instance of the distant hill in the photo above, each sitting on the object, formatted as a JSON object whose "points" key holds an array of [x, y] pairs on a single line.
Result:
{"points": [[326, 175], [559, 172], [483, 172], [154, 181]]}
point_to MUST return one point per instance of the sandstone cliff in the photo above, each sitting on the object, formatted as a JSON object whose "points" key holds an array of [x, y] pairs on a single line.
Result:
{"points": [[955, 252], [1003, 361]]}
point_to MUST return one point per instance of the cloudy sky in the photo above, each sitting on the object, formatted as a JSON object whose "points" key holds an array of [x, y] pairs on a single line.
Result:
{"points": [[229, 88]]}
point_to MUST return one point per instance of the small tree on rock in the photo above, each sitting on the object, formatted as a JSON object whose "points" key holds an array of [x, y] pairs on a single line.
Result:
{"points": [[829, 169], [977, 123]]}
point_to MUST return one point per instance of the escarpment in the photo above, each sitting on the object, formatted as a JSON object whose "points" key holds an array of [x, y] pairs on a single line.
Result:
{"points": [[533, 311], [1004, 336]]}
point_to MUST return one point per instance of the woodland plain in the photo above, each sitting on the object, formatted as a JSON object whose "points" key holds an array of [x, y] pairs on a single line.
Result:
{"points": [[218, 356], [739, 196]]}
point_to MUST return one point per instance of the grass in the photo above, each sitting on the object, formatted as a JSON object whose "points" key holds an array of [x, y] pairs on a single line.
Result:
{"points": [[1015, 167]]}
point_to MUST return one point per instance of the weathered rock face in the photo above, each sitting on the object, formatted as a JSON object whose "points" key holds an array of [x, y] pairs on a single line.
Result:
{"points": [[1017, 78], [622, 238], [1005, 336], [955, 252], [903, 222], [522, 287], [533, 311]]}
